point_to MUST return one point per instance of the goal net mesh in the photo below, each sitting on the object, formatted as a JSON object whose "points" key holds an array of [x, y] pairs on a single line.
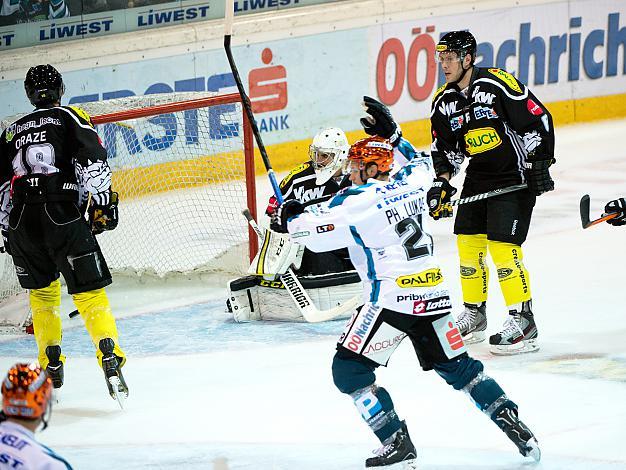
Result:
{"points": [[183, 167]]}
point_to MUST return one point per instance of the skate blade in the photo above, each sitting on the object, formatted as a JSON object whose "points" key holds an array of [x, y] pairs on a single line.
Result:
{"points": [[533, 450], [56, 396], [117, 394], [527, 346], [410, 464], [474, 337]]}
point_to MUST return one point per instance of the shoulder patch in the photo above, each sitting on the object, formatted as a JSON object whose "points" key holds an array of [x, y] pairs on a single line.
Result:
{"points": [[81, 113], [507, 78], [439, 91], [299, 169]]}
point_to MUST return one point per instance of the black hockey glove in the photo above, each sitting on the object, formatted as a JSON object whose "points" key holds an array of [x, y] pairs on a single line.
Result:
{"points": [[538, 175], [103, 218], [379, 121], [619, 206], [6, 248], [438, 198], [285, 211]]}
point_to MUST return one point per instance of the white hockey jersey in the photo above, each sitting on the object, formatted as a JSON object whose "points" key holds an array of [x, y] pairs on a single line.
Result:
{"points": [[20, 450], [383, 224]]}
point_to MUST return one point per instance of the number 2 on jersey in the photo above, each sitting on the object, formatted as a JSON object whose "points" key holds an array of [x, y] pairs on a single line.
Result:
{"points": [[411, 229]]}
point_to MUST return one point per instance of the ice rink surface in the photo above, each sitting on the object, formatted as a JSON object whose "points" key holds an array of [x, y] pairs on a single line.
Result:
{"points": [[206, 393]]}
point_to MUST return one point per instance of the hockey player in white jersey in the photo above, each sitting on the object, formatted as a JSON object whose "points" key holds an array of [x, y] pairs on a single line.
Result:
{"points": [[26, 406], [382, 222]]}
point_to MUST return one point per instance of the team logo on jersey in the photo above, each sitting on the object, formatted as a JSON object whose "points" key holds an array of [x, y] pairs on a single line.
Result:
{"points": [[533, 108], [325, 228], [429, 278], [481, 140], [10, 133], [481, 112], [456, 123], [294, 172], [482, 96], [506, 78], [433, 305]]}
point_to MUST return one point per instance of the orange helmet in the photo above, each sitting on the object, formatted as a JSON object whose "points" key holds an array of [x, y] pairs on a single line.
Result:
{"points": [[373, 149], [26, 391]]}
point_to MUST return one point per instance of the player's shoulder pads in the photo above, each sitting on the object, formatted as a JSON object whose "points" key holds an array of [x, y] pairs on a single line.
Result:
{"points": [[439, 91], [82, 115], [507, 79], [296, 171]]}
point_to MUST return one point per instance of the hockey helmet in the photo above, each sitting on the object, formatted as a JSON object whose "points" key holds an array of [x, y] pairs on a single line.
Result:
{"points": [[328, 153], [44, 85], [26, 392], [373, 149], [461, 42]]}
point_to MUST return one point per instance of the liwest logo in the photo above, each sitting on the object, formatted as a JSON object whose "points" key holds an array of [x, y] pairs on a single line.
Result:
{"points": [[481, 140], [428, 278]]}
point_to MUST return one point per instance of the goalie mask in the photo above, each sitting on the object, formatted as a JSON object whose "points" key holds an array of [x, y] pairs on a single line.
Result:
{"points": [[26, 393], [43, 85], [328, 153], [374, 149]]}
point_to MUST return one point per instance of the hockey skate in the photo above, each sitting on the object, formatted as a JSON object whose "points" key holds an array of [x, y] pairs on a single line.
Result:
{"points": [[55, 366], [518, 432], [113, 372], [399, 454], [519, 334], [472, 323]]}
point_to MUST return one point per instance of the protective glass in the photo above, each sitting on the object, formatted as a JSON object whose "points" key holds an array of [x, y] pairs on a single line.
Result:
{"points": [[448, 57]]}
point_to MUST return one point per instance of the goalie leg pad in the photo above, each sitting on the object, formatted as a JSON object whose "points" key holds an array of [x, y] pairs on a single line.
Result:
{"points": [[241, 301]]}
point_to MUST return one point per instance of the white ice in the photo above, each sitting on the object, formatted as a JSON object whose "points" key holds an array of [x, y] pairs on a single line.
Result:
{"points": [[206, 393]]}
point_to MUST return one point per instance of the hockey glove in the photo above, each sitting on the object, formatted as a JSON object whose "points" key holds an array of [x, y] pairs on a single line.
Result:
{"points": [[379, 121], [438, 198], [6, 248], [285, 211], [103, 218], [619, 206], [538, 175]]}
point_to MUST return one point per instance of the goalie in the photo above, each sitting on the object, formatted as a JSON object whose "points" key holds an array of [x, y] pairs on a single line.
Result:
{"points": [[328, 278]]}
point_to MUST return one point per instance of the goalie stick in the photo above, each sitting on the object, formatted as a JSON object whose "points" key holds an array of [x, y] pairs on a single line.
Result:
{"points": [[585, 203], [300, 297]]}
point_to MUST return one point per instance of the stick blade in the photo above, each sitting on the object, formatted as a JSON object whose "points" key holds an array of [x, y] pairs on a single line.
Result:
{"points": [[585, 203]]}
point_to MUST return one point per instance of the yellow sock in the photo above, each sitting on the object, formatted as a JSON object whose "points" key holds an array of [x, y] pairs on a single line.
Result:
{"points": [[45, 305], [474, 269], [94, 307], [512, 275]]}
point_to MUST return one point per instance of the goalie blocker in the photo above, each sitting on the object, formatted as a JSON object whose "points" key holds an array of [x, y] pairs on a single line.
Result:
{"points": [[253, 298]]}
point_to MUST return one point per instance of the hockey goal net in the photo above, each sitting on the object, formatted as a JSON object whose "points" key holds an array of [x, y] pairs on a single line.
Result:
{"points": [[183, 165]]}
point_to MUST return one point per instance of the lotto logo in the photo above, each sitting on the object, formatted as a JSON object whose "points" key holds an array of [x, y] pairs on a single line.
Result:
{"points": [[433, 305]]}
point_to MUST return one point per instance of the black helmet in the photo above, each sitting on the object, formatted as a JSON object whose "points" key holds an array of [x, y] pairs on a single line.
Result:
{"points": [[43, 85], [462, 42]]}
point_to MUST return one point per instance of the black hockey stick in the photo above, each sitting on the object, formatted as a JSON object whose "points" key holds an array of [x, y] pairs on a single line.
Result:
{"points": [[228, 31], [585, 203], [481, 196]]}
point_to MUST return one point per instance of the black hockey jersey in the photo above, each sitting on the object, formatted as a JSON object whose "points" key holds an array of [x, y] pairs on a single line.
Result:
{"points": [[300, 184], [58, 142], [495, 124]]}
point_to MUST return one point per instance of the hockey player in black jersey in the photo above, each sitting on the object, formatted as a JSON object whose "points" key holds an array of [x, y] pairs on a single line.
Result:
{"points": [[315, 181], [53, 168], [488, 116]]}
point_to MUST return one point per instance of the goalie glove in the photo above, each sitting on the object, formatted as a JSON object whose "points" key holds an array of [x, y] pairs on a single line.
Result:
{"points": [[438, 198], [106, 217], [285, 211], [617, 206], [276, 256], [379, 121]]}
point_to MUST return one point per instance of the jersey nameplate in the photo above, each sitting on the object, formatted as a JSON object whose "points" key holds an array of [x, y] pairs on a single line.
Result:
{"points": [[506, 78]]}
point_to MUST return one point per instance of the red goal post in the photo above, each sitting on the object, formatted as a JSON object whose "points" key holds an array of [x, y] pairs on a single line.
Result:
{"points": [[183, 164]]}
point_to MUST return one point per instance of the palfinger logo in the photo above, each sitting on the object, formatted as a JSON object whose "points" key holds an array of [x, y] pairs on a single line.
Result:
{"points": [[428, 278], [481, 140]]}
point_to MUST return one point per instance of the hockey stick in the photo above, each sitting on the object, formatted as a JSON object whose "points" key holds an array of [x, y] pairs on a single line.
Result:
{"points": [[585, 203], [228, 31], [75, 313], [481, 196], [300, 297]]}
